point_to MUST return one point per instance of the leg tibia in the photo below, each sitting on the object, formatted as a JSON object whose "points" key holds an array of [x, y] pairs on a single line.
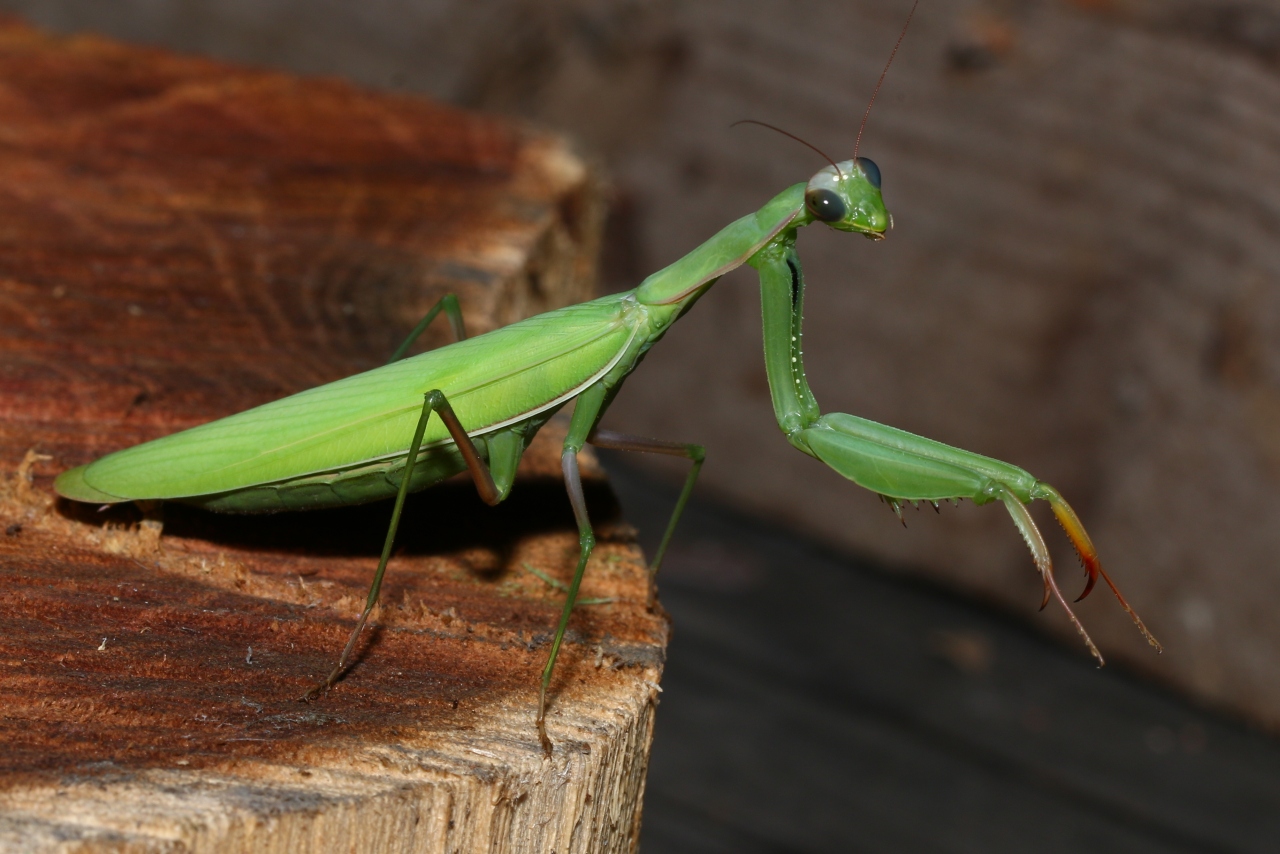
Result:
{"points": [[586, 412], [586, 544]]}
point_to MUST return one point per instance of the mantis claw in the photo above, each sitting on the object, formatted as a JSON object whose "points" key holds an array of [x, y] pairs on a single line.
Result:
{"points": [[1088, 585], [1089, 556], [1092, 570], [1040, 553]]}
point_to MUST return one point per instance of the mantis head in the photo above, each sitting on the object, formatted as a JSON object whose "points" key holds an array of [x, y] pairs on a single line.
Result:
{"points": [[846, 196]]}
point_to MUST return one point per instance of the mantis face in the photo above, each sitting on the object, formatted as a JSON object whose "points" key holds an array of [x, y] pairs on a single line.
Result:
{"points": [[847, 197]]}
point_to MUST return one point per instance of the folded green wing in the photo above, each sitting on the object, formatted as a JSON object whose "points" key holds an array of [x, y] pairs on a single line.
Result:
{"points": [[492, 380]]}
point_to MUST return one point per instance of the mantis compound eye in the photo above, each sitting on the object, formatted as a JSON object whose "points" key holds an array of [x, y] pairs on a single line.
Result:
{"points": [[870, 170], [825, 205]]}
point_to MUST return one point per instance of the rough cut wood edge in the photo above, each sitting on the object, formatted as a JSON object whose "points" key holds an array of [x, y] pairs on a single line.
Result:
{"points": [[485, 793], [148, 683]]}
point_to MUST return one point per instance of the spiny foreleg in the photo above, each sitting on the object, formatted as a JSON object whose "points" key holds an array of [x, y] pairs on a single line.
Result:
{"points": [[902, 466]]}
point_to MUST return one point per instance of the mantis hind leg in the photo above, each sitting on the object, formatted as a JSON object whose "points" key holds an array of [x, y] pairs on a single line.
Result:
{"points": [[449, 304], [696, 454], [491, 492]]}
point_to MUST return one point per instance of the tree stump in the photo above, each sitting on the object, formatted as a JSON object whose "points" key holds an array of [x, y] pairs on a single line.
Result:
{"points": [[181, 239]]}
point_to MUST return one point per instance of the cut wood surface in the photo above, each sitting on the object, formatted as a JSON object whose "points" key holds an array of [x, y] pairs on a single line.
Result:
{"points": [[182, 239]]}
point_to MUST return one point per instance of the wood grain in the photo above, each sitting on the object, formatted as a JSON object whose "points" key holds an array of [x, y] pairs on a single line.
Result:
{"points": [[181, 239]]}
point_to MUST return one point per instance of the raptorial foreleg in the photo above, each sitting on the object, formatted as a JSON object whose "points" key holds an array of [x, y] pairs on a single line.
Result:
{"points": [[905, 467]]}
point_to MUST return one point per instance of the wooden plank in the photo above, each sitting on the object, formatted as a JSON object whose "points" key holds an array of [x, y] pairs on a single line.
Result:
{"points": [[182, 239]]}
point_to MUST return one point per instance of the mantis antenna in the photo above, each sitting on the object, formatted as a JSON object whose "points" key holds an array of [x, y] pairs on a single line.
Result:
{"points": [[834, 165], [857, 142]]}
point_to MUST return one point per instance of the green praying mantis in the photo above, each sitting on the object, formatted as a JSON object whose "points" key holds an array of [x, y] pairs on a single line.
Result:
{"points": [[476, 404]]}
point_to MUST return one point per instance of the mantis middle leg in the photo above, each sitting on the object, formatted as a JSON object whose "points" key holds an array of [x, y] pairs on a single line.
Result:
{"points": [[696, 454]]}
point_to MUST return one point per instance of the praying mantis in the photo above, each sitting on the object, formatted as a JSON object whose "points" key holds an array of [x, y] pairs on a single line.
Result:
{"points": [[474, 406]]}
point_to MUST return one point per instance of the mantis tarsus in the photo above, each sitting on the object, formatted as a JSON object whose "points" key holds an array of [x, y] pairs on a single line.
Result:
{"points": [[372, 436]]}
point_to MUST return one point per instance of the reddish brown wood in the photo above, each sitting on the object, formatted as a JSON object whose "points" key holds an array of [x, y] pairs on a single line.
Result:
{"points": [[181, 239]]}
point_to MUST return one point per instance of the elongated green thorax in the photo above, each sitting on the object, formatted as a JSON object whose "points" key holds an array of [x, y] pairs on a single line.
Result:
{"points": [[730, 248]]}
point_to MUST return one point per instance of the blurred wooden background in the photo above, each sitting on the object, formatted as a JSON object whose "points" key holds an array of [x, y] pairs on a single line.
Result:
{"points": [[1081, 281]]}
